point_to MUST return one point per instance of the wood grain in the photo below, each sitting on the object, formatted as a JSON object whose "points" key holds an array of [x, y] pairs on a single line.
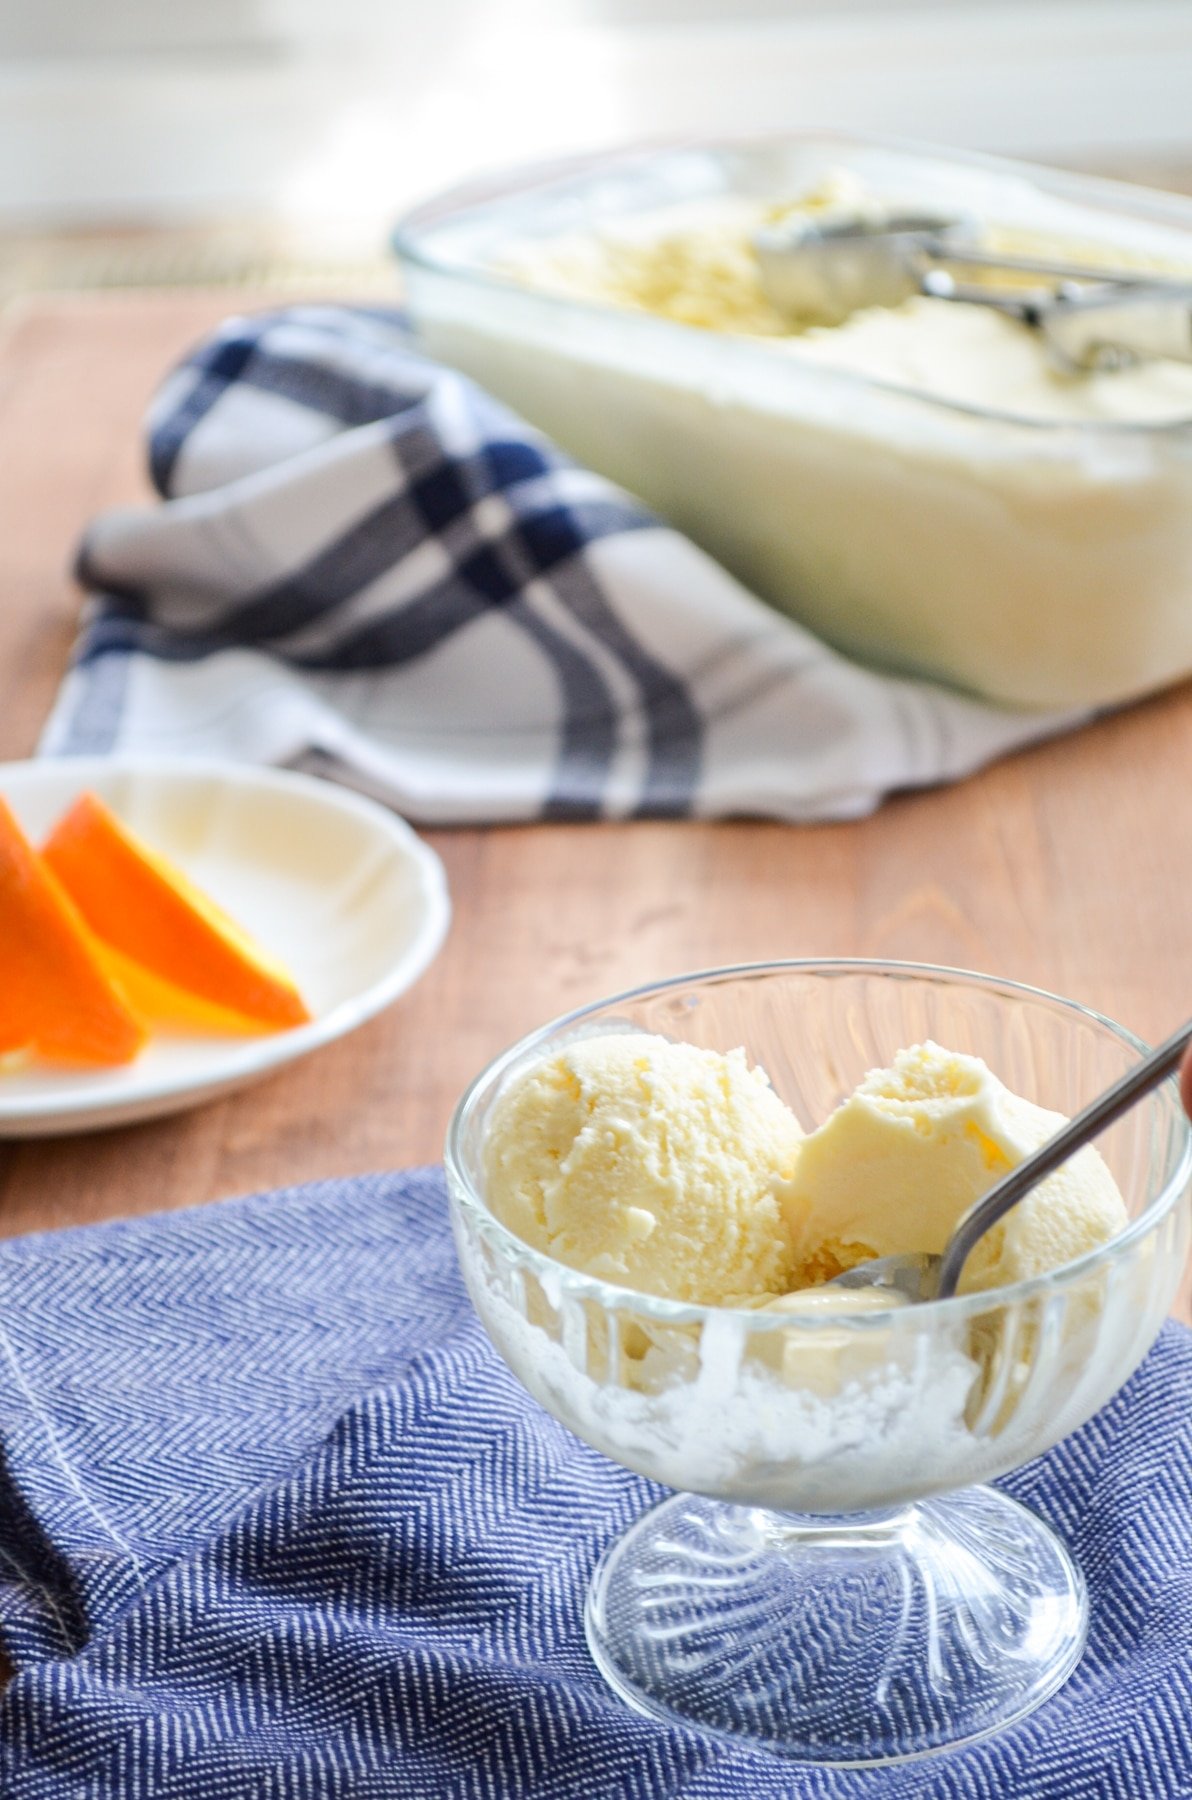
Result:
{"points": [[1069, 865]]}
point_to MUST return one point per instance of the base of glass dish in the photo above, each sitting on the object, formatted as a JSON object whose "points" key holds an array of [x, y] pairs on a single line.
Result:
{"points": [[869, 1638]]}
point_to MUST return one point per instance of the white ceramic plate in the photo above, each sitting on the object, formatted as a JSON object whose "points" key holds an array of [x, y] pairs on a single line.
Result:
{"points": [[340, 889]]}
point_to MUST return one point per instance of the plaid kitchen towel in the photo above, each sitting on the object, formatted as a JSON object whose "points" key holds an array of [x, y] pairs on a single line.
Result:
{"points": [[276, 1521], [366, 566]]}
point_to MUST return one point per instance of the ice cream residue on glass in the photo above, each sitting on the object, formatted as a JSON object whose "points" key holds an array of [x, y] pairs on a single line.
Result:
{"points": [[679, 1172]]}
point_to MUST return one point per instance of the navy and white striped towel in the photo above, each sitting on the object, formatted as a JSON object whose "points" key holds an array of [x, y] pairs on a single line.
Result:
{"points": [[365, 565], [276, 1522]]}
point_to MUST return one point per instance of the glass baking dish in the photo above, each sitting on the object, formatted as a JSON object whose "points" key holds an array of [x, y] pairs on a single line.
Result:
{"points": [[1039, 562]]}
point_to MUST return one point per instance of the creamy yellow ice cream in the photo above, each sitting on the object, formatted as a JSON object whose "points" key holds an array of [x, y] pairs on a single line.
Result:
{"points": [[694, 262], [679, 1172], [904, 1156], [655, 1165], [675, 1171]]}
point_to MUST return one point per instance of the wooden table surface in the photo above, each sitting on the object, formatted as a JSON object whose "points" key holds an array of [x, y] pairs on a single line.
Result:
{"points": [[1069, 865]]}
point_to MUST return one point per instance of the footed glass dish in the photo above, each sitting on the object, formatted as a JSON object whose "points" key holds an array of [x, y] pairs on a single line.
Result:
{"points": [[828, 1582]]}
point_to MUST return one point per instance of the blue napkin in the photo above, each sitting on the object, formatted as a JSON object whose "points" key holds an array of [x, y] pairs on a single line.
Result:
{"points": [[363, 564], [276, 1521]]}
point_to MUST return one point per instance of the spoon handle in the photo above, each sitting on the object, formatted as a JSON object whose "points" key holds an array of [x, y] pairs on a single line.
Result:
{"points": [[1079, 1131]]}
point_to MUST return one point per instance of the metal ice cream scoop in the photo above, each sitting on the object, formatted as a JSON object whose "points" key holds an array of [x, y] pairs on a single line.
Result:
{"points": [[1089, 318], [918, 1276]]}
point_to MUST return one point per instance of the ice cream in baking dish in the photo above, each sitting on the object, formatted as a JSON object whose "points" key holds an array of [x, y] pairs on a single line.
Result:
{"points": [[694, 264], [918, 485], [679, 1172]]}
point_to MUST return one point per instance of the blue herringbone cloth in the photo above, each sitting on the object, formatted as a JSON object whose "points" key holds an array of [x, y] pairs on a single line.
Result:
{"points": [[276, 1521]]}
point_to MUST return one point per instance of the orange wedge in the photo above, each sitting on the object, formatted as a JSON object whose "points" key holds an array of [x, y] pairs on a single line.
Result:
{"points": [[180, 957], [56, 998]]}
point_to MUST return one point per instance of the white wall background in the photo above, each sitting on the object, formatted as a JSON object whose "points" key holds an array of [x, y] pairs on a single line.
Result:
{"points": [[339, 112]]}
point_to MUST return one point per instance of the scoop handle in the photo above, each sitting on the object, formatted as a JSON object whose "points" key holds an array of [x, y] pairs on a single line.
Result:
{"points": [[1015, 1186], [950, 248], [1102, 329]]}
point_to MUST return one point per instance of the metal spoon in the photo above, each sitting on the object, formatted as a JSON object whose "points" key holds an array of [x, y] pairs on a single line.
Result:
{"points": [[918, 1276], [1088, 317]]}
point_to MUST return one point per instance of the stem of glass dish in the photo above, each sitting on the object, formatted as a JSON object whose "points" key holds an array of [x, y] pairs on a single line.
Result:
{"points": [[834, 1531]]}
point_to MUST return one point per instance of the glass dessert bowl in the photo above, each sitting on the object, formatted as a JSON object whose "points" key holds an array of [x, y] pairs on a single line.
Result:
{"points": [[827, 1583]]}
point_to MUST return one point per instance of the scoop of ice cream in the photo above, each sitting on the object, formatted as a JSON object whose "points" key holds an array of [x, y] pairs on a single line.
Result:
{"points": [[655, 1165], [904, 1156]]}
